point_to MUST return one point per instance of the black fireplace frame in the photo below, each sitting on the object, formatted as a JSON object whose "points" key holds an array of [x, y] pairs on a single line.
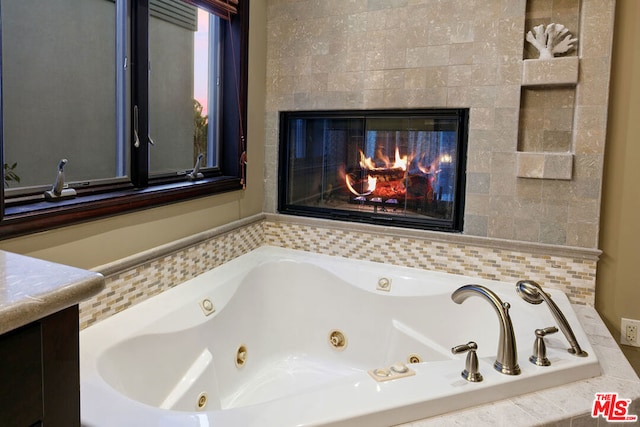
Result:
{"points": [[454, 224]]}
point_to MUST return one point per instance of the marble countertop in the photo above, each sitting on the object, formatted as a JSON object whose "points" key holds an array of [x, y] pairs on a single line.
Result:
{"points": [[31, 289], [567, 405]]}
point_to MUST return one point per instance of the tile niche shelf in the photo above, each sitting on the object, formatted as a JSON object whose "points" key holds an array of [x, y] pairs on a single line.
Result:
{"points": [[543, 77], [544, 165], [561, 71]]}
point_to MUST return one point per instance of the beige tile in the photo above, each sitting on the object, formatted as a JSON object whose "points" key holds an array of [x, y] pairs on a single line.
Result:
{"points": [[530, 165], [461, 54], [527, 230], [558, 166], [501, 227], [556, 71]]}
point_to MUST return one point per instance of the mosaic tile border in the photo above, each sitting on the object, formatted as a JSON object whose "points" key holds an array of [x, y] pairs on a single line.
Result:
{"points": [[133, 285], [158, 271], [575, 276]]}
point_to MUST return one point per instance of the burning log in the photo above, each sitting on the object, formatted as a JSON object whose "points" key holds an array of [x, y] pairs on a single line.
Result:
{"points": [[387, 174], [391, 184]]}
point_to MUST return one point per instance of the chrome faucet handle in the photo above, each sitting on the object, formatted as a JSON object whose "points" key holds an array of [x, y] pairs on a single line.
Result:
{"points": [[470, 372], [539, 356]]}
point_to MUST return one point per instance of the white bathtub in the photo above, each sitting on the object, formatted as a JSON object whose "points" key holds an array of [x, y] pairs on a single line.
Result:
{"points": [[150, 365]]}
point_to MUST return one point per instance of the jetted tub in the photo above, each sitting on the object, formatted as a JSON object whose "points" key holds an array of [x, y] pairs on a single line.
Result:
{"points": [[282, 338]]}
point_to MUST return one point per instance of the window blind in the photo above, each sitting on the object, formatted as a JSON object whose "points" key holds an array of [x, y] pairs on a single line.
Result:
{"points": [[222, 8]]}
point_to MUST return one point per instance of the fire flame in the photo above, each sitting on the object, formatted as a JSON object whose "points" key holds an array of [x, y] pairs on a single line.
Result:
{"points": [[371, 185], [366, 162], [400, 162]]}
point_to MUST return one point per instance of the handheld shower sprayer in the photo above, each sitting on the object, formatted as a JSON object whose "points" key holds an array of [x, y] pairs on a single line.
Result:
{"points": [[532, 293]]}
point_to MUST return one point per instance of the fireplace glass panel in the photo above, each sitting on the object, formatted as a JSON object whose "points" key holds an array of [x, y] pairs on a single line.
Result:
{"points": [[400, 168]]}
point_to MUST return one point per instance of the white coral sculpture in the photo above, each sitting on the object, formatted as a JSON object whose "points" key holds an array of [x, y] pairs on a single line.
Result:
{"points": [[548, 40]]}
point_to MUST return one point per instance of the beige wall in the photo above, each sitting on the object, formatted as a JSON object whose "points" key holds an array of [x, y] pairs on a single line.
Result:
{"points": [[618, 280], [102, 241]]}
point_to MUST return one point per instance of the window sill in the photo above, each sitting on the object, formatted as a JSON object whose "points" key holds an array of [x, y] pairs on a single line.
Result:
{"points": [[42, 215]]}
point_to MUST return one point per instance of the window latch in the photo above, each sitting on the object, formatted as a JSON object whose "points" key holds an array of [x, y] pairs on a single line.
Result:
{"points": [[60, 191], [195, 174], [136, 138]]}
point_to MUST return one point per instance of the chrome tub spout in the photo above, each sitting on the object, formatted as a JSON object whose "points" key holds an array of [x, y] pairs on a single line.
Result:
{"points": [[507, 357], [532, 293]]}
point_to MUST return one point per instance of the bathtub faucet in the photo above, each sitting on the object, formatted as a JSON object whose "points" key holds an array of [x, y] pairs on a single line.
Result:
{"points": [[507, 357]]}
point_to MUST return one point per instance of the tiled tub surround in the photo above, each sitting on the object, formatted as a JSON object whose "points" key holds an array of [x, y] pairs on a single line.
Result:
{"points": [[366, 54], [132, 280], [573, 272]]}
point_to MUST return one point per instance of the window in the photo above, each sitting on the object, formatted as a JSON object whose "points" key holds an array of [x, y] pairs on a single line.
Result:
{"points": [[131, 93]]}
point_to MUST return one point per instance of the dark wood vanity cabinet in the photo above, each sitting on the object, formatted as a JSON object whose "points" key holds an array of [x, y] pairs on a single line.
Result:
{"points": [[39, 372]]}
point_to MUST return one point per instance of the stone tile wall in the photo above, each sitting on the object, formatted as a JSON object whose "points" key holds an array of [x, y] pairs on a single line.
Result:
{"points": [[364, 54]]}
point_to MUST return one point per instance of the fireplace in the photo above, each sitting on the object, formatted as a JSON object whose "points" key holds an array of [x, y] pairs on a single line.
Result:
{"points": [[391, 167]]}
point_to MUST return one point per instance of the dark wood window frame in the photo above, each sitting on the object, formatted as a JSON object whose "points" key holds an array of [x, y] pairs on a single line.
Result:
{"points": [[27, 215]]}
